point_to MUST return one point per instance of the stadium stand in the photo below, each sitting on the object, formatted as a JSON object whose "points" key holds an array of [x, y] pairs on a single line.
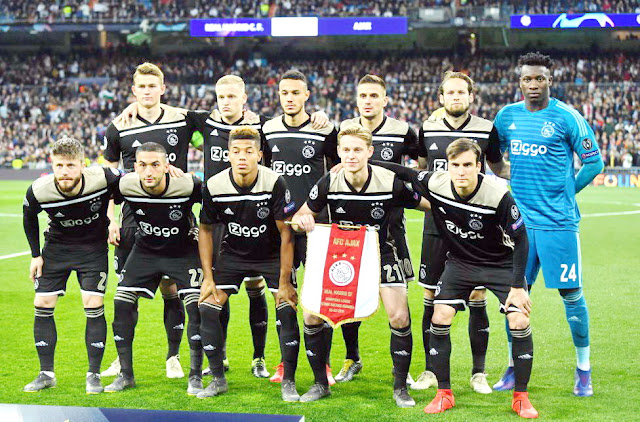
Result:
{"points": [[44, 96]]}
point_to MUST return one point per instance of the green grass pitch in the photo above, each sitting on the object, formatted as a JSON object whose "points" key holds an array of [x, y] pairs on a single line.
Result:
{"points": [[610, 242]]}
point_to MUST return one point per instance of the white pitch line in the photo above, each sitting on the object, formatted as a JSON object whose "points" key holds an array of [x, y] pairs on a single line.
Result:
{"points": [[10, 215], [14, 255]]}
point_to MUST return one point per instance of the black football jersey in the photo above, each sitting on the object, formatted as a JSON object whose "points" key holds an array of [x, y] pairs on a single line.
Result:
{"points": [[391, 140], [480, 229], [371, 206], [172, 130], [216, 139], [300, 154], [166, 224], [249, 214], [80, 219], [435, 137]]}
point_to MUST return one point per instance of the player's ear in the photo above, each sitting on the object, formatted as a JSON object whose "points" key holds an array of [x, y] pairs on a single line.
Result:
{"points": [[472, 98], [386, 101], [260, 154], [370, 151], [441, 99], [163, 88], [308, 94], [550, 80], [244, 98]]}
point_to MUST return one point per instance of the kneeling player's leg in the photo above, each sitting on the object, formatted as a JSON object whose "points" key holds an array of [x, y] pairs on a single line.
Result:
{"points": [[258, 314], [96, 329], [289, 339], [174, 317], [440, 343], [401, 345], [478, 329], [350, 336], [426, 326], [211, 332], [125, 319], [193, 333], [522, 348]]}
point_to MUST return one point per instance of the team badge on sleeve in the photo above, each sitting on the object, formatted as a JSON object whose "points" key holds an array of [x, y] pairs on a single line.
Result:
{"points": [[314, 193], [514, 212]]}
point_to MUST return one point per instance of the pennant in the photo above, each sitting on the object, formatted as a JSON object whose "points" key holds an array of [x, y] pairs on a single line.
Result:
{"points": [[342, 274]]}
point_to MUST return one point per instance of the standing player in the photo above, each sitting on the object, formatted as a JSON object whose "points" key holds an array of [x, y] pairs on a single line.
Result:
{"points": [[487, 242], [361, 194], [165, 244], [392, 140], [252, 202], [542, 134], [456, 94], [75, 199], [167, 126], [301, 154]]}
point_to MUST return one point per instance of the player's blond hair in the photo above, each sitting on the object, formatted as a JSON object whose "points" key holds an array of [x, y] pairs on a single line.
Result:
{"points": [[373, 79], [456, 75], [69, 148], [358, 131], [462, 145], [245, 133], [147, 68], [231, 80]]}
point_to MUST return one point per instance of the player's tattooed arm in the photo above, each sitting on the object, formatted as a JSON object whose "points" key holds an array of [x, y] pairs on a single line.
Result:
{"points": [[286, 291]]}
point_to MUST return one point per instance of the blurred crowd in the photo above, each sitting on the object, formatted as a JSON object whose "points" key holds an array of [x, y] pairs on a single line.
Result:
{"points": [[60, 11], [43, 96]]}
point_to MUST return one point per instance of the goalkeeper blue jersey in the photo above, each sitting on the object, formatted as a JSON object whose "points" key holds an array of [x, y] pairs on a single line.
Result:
{"points": [[541, 145]]}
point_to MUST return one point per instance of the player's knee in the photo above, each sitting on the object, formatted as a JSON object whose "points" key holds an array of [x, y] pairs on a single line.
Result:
{"points": [[518, 321], [311, 319], [443, 315], [478, 295], [92, 301], [168, 287], [571, 295], [254, 284], [428, 294], [45, 301], [399, 318]]}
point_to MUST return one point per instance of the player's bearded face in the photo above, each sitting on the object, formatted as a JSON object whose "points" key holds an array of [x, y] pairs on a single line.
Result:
{"points": [[244, 155], [372, 99], [67, 172], [293, 94], [230, 100], [456, 97], [535, 82], [151, 168], [354, 153], [148, 89], [464, 170]]}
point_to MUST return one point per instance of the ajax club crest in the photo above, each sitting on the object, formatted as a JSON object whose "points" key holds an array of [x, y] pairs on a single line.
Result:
{"points": [[341, 273], [308, 150], [172, 137], [175, 213], [547, 130]]}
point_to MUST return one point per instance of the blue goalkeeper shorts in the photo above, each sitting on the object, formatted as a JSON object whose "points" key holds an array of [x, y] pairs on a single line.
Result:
{"points": [[558, 253]]}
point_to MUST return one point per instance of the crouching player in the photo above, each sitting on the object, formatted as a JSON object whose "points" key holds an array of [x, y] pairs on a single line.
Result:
{"points": [[361, 194], [165, 244], [76, 200], [488, 246], [252, 202]]}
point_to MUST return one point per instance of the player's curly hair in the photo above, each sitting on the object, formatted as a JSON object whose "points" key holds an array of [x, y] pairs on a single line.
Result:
{"points": [[68, 147], [535, 59], [245, 133]]}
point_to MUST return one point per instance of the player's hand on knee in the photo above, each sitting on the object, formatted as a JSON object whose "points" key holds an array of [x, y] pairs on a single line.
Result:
{"points": [[128, 115], [207, 289], [319, 119], [175, 171], [287, 293], [519, 298], [35, 269], [114, 234]]}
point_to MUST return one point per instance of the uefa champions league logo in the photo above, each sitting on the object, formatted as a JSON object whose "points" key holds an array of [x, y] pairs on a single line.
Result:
{"points": [[341, 273]]}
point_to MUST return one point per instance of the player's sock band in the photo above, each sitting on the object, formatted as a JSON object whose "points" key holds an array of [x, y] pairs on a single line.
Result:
{"points": [[45, 336], [426, 331], [440, 352], [193, 333], [478, 333], [523, 357], [350, 336], [173, 322], [95, 336], [401, 349], [211, 334], [314, 342], [289, 339], [258, 317], [577, 314]]}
